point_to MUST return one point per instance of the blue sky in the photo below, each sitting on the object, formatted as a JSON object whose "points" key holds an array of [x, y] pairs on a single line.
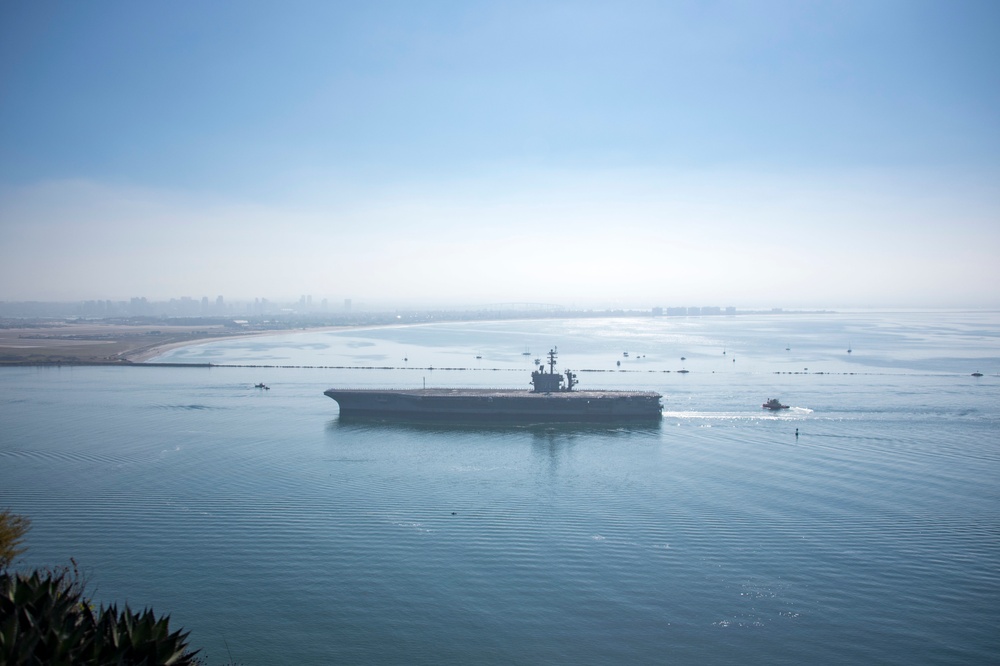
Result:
{"points": [[827, 154]]}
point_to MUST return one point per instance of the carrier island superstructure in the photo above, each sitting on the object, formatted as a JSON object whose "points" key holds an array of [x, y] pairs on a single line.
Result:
{"points": [[552, 398]]}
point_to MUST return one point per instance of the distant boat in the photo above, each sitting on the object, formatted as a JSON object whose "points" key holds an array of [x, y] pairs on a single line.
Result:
{"points": [[262, 386], [774, 405], [478, 356], [977, 374], [849, 345], [625, 354], [683, 372], [526, 352]]}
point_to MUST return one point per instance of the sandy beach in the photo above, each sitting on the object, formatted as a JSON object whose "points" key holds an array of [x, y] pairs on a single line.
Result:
{"points": [[102, 344], [97, 343]]}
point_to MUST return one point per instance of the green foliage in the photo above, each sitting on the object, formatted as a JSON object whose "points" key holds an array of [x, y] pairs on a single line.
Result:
{"points": [[12, 531], [44, 619], [40, 619]]}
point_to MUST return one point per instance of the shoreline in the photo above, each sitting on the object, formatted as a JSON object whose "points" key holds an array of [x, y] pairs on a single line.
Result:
{"points": [[119, 344], [39, 343], [142, 356]]}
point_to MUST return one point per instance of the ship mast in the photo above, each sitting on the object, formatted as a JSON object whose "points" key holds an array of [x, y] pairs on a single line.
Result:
{"points": [[552, 360]]}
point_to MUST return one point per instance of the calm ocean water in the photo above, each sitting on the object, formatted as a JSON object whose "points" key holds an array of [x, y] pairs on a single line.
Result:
{"points": [[259, 521]]}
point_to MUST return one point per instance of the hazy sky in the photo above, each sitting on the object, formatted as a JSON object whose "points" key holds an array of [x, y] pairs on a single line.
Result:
{"points": [[753, 153]]}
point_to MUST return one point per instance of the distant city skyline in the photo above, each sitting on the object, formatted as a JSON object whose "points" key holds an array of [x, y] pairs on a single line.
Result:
{"points": [[324, 312], [816, 155], [205, 306]]}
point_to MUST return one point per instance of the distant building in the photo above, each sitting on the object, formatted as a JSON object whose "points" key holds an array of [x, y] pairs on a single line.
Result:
{"points": [[261, 306], [657, 312], [139, 306]]}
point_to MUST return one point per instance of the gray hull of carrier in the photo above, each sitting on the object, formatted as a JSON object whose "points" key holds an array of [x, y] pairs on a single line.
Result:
{"points": [[499, 405]]}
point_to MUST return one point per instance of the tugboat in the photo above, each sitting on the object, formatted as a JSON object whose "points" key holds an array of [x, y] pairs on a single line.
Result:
{"points": [[774, 404]]}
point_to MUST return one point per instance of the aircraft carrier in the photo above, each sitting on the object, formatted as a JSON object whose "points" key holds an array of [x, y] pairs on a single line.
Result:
{"points": [[551, 399]]}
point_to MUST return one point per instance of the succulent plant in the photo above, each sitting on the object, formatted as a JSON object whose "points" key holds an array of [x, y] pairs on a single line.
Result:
{"points": [[44, 619]]}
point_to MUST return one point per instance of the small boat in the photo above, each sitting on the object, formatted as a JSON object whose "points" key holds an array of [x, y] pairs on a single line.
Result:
{"points": [[774, 404], [262, 386], [625, 354], [977, 374]]}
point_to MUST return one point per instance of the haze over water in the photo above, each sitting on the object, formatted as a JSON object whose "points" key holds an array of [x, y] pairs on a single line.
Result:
{"points": [[257, 519]]}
